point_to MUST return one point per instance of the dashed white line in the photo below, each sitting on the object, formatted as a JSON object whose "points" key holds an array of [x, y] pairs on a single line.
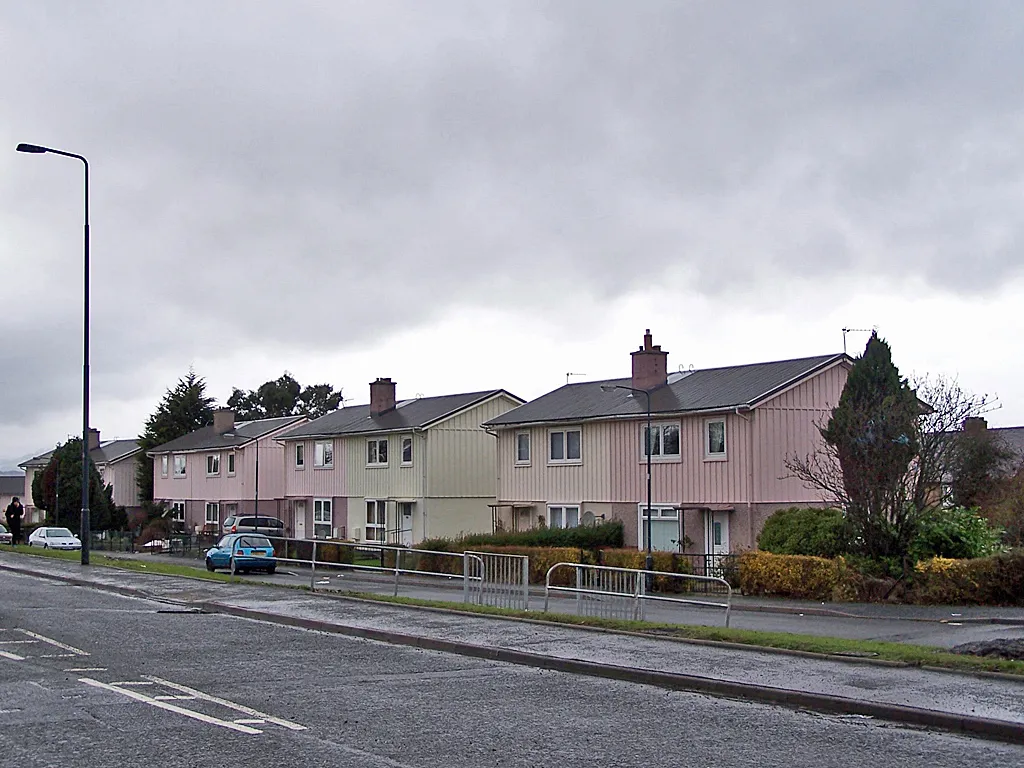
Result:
{"points": [[17, 642], [135, 695], [131, 682], [85, 669], [177, 697], [225, 703], [11, 656], [57, 643]]}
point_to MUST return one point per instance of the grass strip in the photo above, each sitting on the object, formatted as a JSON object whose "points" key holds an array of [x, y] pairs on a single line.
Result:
{"points": [[912, 655]]}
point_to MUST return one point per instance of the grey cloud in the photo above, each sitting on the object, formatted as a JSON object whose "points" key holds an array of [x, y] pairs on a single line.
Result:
{"points": [[334, 164]]}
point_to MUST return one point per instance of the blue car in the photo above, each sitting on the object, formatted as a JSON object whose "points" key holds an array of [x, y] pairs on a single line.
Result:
{"points": [[251, 551]]}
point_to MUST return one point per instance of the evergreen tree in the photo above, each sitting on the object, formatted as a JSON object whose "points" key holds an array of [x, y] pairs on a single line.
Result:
{"points": [[57, 489], [874, 431], [283, 396], [184, 408]]}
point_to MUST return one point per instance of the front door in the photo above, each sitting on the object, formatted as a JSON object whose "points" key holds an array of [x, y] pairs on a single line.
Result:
{"points": [[299, 513], [405, 523], [719, 533]]}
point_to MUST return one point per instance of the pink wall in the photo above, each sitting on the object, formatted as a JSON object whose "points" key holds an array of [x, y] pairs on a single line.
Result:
{"points": [[311, 482]]}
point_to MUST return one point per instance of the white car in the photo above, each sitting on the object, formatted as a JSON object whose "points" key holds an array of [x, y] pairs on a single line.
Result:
{"points": [[54, 538], [5, 535]]}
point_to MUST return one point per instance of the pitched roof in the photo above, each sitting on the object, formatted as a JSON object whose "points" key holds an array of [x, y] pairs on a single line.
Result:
{"points": [[12, 485], [1012, 438], [711, 389], [408, 414], [108, 452], [206, 439]]}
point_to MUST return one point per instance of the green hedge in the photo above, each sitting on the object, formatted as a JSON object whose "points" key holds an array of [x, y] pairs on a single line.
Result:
{"points": [[804, 531], [585, 537]]}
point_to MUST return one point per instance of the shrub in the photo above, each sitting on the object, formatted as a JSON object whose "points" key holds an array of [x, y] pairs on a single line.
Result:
{"points": [[585, 537], [804, 531], [798, 576], [954, 533], [996, 580]]}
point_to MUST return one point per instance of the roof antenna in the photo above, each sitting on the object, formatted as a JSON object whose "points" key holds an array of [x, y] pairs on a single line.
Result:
{"points": [[572, 374], [855, 330]]}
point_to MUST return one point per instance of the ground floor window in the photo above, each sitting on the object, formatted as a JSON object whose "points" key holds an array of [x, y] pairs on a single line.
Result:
{"points": [[323, 518], [178, 513], [213, 513], [376, 517], [664, 527], [563, 516]]}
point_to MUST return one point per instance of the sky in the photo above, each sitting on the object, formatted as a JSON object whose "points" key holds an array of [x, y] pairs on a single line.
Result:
{"points": [[470, 195]]}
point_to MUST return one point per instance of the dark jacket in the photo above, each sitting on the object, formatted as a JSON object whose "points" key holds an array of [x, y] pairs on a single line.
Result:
{"points": [[14, 514]]}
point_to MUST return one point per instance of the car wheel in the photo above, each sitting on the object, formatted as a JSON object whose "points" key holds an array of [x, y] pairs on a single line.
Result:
{"points": [[210, 566], [271, 569]]}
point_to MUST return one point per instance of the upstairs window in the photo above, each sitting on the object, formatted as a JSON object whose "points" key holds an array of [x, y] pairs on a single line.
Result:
{"points": [[324, 454], [714, 439], [164, 462], [231, 463], [406, 451], [663, 441], [377, 452], [566, 446], [213, 464], [179, 466], [522, 448], [300, 455]]}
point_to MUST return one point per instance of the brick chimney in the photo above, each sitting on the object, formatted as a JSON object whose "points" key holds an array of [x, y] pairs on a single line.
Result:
{"points": [[650, 365], [94, 438], [223, 420], [382, 396], [975, 425]]}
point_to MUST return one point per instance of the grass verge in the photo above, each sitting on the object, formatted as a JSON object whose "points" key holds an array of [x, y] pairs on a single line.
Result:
{"points": [[913, 655]]}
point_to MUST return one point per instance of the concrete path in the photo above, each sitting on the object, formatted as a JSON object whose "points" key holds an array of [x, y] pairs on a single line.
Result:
{"points": [[991, 706]]}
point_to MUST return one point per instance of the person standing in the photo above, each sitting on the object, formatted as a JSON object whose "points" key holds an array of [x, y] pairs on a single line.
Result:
{"points": [[14, 514]]}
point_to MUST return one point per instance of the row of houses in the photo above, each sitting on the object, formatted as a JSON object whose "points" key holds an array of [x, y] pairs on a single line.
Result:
{"points": [[404, 470]]}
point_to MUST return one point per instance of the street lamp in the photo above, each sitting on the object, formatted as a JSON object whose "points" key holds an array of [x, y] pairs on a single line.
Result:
{"points": [[35, 149], [647, 449]]}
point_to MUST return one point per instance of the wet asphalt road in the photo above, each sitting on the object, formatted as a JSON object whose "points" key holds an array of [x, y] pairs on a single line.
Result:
{"points": [[361, 703]]}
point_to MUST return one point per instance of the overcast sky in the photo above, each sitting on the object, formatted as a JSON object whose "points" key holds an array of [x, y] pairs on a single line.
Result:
{"points": [[465, 195]]}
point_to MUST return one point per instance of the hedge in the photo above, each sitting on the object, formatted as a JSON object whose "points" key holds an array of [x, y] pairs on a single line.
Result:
{"points": [[586, 537], [996, 580], [797, 576]]}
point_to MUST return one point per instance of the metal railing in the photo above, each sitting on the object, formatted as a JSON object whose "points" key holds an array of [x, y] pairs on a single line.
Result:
{"points": [[626, 589], [497, 579], [112, 541]]}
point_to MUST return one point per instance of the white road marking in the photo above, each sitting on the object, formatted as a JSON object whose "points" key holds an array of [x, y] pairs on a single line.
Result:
{"points": [[11, 656], [225, 703], [17, 642], [135, 695], [57, 643], [131, 682], [86, 669], [177, 697], [56, 655], [249, 721]]}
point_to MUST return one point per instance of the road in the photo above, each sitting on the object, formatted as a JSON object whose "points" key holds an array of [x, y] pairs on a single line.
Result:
{"points": [[90, 678]]}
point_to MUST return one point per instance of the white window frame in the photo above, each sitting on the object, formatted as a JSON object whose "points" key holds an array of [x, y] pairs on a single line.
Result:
{"points": [[212, 460], [300, 455], [212, 506], [519, 461], [563, 517], [231, 463], [407, 442], [178, 512], [165, 465], [380, 523], [320, 449], [323, 514], [564, 432], [658, 429], [708, 455], [658, 512], [182, 470], [373, 456]]}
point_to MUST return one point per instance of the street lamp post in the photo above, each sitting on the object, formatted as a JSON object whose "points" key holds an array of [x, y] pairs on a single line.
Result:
{"points": [[35, 149], [647, 450]]}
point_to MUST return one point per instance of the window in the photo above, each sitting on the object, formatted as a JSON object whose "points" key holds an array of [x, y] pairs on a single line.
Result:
{"points": [[179, 466], [377, 451], [178, 512], [231, 509], [565, 446], [376, 517], [323, 518], [522, 448], [300, 455], [664, 527], [407, 450], [231, 463], [163, 465], [663, 441], [563, 517], [212, 513], [714, 439], [213, 464], [324, 454]]}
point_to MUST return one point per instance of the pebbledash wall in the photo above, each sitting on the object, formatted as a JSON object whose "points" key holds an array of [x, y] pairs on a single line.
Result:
{"points": [[750, 483]]}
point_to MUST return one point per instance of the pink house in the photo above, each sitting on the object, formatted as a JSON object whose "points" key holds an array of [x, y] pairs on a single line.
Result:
{"points": [[115, 460], [719, 441], [222, 470]]}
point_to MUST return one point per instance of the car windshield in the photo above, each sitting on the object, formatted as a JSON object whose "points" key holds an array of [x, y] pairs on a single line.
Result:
{"points": [[58, 533], [254, 541], [3, 528], [226, 541]]}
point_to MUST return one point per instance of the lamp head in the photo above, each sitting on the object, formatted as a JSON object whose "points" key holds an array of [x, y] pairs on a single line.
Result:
{"points": [[34, 149]]}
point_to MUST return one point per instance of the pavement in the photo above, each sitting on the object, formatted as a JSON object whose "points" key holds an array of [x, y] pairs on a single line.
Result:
{"points": [[990, 706]]}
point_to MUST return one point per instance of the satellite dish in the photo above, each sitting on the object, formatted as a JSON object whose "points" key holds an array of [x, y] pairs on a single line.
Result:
{"points": [[588, 519]]}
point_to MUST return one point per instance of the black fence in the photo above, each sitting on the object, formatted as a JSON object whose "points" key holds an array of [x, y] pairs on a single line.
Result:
{"points": [[112, 541]]}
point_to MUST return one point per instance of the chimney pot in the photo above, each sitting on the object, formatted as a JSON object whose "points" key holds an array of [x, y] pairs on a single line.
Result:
{"points": [[223, 420], [975, 425], [94, 438], [650, 365]]}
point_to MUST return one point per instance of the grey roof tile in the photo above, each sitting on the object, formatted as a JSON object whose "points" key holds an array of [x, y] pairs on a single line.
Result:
{"points": [[701, 390], [12, 485], [108, 452], [409, 414], [205, 439]]}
